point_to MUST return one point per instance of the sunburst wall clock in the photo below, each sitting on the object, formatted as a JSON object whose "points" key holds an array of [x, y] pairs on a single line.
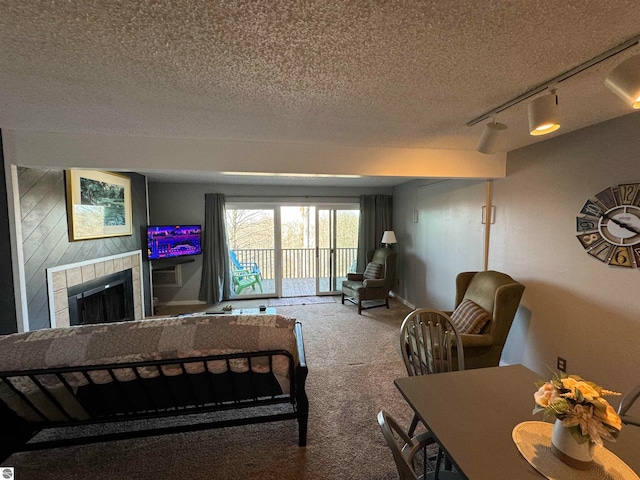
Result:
{"points": [[609, 225]]}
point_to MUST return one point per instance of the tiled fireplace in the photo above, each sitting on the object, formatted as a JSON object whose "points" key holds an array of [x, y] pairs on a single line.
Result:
{"points": [[63, 282]]}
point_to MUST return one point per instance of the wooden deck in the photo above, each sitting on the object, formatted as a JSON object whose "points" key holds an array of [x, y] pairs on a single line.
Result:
{"points": [[291, 287]]}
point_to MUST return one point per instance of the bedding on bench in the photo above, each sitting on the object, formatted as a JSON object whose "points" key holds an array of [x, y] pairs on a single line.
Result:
{"points": [[91, 372]]}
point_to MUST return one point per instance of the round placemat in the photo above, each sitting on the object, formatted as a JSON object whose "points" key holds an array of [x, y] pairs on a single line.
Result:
{"points": [[533, 439]]}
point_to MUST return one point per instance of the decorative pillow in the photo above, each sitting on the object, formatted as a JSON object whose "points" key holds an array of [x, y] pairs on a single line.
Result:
{"points": [[372, 271], [470, 317]]}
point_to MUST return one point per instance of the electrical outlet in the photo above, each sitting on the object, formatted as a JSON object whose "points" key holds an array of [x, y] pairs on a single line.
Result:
{"points": [[562, 364]]}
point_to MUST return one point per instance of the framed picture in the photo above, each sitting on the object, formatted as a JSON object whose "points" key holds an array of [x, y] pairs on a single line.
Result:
{"points": [[98, 204]]}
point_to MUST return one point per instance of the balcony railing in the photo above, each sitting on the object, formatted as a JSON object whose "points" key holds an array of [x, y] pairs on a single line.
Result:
{"points": [[299, 262]]}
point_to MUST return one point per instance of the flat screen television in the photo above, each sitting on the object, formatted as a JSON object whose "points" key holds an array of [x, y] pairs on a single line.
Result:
{"points": [[171, 241]]}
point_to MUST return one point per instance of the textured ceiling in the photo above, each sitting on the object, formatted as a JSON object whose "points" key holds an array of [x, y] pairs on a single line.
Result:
{"points": [[402, 73]]}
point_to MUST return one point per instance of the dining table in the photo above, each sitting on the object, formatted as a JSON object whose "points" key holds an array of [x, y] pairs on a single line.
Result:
{"points": [[472, 414]]}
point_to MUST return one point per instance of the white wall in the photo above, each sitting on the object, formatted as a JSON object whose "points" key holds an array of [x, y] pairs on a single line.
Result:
{"points": [[127, 153], [447, 238], [449, 226], [573, 306]]}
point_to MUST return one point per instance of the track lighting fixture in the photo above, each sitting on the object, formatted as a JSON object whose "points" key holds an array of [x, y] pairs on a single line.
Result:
{"points": [[543, 114], [624, 81], [490, 138]]}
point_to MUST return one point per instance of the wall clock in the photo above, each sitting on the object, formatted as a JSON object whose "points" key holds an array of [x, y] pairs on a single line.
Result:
{"points": [[609, 225]]}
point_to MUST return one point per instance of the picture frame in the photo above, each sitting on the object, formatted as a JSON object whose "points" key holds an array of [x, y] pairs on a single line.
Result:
{"points": [[98, 204]]}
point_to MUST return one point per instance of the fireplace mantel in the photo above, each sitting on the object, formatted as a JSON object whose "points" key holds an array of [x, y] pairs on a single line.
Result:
{"points": [[62, 277]]}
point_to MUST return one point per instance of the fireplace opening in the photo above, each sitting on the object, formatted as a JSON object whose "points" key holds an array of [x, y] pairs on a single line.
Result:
{"points": [[103, 300]]}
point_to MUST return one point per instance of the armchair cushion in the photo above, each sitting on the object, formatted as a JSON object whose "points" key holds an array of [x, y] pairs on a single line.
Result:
{"points": [[372, 271], [469, 342], [469, 317], [373, 282]]}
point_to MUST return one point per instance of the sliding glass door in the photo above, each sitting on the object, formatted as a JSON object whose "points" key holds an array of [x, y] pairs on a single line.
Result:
{"points": [[252, 245], [298, 249], [337, 238], [291, 250]]}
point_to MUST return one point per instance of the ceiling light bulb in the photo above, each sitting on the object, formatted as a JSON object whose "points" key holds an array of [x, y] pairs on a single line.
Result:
{"points": [[543, 114], [624, 81], [490, 138]]}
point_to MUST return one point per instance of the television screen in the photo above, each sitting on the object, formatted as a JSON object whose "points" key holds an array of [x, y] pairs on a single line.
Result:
{"points": [[170, 241]]}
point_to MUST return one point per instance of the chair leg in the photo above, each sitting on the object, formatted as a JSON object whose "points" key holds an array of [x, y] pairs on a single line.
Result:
{"points": [[437, 468], [413, 426], [343, 298], [359, 307], [387, 302]]}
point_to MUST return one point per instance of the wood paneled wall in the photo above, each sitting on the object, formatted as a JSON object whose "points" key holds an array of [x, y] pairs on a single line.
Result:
{"points": [[45, 235]]}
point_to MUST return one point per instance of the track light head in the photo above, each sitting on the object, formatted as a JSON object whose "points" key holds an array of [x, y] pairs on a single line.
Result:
{"points": [[490, 137], [624, 81], [543, 114]]}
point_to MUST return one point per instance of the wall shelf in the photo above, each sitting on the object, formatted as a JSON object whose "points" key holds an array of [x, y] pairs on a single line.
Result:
{"points": [[170, 262]]}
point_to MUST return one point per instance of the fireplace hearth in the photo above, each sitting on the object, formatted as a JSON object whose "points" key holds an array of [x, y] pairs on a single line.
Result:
{"points": [[105, 299]]}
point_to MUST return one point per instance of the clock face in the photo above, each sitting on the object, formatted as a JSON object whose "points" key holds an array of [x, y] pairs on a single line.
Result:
{"points": [[609, 225]]}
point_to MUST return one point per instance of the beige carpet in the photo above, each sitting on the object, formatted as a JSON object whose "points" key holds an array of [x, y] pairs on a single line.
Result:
{"points": [[352, 359]]}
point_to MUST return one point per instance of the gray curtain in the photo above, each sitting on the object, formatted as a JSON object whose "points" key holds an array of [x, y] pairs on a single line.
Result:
{"points": [[376, 215], [215, 285]]}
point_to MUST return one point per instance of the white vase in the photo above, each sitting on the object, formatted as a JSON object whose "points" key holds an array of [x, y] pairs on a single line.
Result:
{"points": [[572, 452]]}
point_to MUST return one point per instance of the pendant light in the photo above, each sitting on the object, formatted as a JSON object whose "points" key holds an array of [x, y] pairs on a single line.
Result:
{"points": [[543, 114], [490, 138], [624, 81]]}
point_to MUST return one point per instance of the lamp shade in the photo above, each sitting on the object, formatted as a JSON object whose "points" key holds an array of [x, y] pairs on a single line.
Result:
{"points": [[490, 138], [543, 114], [389, 237], [624, 81]]}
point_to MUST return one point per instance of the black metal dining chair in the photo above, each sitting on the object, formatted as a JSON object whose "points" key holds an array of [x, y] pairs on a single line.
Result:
{"points": [[625, 405], [405, 449]]}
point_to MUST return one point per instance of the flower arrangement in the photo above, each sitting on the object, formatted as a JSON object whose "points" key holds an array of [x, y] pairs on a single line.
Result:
{"points": [[580, 406]]}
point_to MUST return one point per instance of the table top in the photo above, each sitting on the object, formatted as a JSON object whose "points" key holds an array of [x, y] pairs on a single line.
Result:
{"points": [[253, 311], [473, 412]]}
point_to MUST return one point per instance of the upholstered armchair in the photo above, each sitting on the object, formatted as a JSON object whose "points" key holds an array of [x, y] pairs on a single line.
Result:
{"points": [[498, 296], [376, 281]]}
